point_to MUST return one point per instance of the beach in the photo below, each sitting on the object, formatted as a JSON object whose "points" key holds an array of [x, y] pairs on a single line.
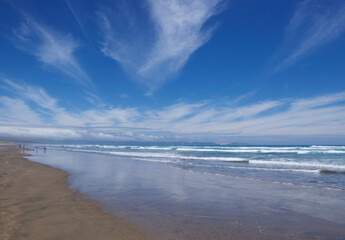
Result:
{"points": [[37, 203], [80, 192]]}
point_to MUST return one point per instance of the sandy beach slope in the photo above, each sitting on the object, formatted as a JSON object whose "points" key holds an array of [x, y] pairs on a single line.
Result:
{"points": [[36, 203]]}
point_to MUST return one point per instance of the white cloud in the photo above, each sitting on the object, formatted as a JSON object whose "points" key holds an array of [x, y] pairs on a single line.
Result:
{"points": [[35, 94], [93, 99], [173, 112], [106, 117], [17, 111], [318, 101], [313, 24], [47, 133], [180, 31], [320, 115], [76, 15], [179, 26], [50, 47], [48, 107]]}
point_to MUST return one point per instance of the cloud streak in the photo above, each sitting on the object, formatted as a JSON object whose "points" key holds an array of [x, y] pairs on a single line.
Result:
{"points": [[40, 103], [34, 111], [51, 47], [314, 24], [34, 94], [179, 30], [13, 111]]}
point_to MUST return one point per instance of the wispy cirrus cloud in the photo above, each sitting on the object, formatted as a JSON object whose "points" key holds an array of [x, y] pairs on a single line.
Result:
{"points": [[177, 29], [76, 15], [47, 107], [34, 94], [35, 112], [13, 111], [51, 47], [314, 23]]}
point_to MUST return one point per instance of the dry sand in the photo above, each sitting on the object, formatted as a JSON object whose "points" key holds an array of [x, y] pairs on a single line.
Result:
{"points": [[36, 203]]}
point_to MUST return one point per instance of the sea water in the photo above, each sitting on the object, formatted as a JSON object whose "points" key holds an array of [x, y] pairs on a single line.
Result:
{"points": [[211, 192], [310, 166]]}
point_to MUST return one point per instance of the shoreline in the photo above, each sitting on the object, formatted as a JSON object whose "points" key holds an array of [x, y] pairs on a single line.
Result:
{"points": [[126, 199], [37, 203]]}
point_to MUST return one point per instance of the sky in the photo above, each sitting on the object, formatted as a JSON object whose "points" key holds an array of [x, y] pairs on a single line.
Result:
{"points": [[222, 71]]}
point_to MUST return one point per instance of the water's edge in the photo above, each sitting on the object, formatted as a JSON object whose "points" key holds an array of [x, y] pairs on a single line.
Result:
{"points": [[163, 198]]}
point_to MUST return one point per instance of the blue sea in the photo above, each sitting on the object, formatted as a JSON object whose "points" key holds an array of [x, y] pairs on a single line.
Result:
{"points": [[314, 166]]}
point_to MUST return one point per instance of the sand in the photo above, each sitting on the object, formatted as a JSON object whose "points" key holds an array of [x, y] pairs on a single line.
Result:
{"points": [[37, 203]]}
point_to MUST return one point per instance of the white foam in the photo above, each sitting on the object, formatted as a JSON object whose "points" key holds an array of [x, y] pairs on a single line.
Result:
{"points": [[165, 155], [270, 169], [327, 147], [296, 150], [299, 164], [334, 151], [315, 149], [154, 160]]}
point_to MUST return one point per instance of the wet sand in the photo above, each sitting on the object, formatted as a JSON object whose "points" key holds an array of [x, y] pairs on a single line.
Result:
{"points": [[37, 203]]}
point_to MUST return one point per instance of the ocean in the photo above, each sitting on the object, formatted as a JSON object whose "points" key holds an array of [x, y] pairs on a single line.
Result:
{"points": [[211, 192], [313, 166]]}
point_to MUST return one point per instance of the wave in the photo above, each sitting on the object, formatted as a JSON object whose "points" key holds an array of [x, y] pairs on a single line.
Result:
{"points": [[270, 169], [299, 164], [166, 158], [326, 147], [265, 151], [162, 155], [314, 149], [175, 155], [165, 155]]}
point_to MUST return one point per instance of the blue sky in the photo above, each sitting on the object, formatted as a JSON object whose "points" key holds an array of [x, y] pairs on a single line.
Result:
{"points": [[264, 72]]}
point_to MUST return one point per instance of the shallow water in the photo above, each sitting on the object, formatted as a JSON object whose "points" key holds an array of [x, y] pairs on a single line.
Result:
{"points": [[315, 166], [175, 201]]}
